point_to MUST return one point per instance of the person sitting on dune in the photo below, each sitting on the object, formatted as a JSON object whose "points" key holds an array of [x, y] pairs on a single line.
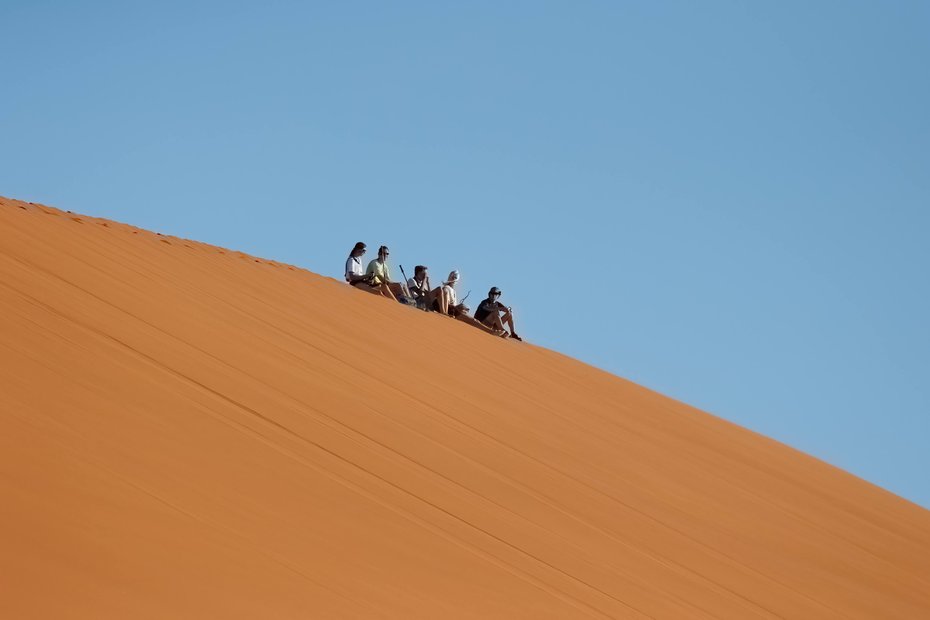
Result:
{"points": [[460, 312], [379, 275], [354, 274], [489, 313], [446, 302], [444, 298], [419, 287]]}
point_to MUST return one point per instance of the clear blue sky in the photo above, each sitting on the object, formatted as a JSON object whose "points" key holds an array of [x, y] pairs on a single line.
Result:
{"points": [[728, 202]]}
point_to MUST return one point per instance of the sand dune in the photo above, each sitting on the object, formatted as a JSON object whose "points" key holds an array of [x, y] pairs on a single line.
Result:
{"points": [[192, 432]]}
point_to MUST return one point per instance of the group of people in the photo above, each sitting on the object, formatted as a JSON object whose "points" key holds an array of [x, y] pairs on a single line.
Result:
{"points": [[491, 315]]}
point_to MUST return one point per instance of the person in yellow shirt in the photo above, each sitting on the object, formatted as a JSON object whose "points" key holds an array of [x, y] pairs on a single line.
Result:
{"points": [[379, 275]]}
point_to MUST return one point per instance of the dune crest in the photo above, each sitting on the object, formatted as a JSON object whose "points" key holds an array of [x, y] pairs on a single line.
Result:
{"points": [[193, 432]]}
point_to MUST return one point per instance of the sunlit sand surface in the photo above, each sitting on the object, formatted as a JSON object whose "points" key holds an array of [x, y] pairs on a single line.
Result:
{"points": [[187, 431]]}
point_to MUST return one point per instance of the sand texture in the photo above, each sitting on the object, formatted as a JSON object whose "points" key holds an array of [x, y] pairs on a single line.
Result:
{"points": [[191, 432]]}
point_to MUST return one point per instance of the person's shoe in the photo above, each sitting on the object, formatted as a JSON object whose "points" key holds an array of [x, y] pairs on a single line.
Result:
{"points": [[516, 337]]}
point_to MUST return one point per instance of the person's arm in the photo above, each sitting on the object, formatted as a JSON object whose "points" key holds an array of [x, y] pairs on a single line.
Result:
{"points": [[352, 278], [371, 274]]}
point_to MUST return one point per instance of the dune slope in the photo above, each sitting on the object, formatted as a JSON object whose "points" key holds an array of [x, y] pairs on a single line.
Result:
{"points": [[191, 432]]}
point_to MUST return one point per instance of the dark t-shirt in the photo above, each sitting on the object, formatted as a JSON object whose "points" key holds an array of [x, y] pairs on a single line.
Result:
{"points": [[486, 307]]}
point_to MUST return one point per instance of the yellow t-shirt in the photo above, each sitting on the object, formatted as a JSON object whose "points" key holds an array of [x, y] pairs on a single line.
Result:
{"points": [[379, 270]]}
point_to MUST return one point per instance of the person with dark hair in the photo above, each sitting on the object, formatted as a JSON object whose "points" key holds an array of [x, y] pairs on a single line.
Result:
{"points": [[489, 313], [445, 301], [379, 275], [354, 273], [419, 287]]}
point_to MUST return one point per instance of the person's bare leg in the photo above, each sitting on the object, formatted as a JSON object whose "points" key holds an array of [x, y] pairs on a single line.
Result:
{"points": [[396, 289], [431, 296], [386, 291], [476, 323], [508, 318], [493, 321], [472, 321], [367, 289], [445, 300]]}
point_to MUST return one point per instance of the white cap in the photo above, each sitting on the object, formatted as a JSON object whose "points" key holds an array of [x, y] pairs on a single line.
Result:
{"points": [[453, 276]]}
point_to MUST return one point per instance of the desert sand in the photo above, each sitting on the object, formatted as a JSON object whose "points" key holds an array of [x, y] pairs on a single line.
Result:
{"points": [[187, 431]]}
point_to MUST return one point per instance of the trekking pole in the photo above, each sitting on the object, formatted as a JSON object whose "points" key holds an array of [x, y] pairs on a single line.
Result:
{"points": [[404, 283]]}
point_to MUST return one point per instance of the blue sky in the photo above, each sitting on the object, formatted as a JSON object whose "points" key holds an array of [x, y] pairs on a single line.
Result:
{"points": [[728, 202]]}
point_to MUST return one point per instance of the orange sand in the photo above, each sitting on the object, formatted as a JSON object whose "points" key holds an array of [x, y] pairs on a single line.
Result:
{"points": [[191, 432]]}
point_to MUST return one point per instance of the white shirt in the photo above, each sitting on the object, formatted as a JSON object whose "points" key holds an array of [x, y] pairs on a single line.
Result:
{"points": [[415, 286], [353, 267], [454, 298]]}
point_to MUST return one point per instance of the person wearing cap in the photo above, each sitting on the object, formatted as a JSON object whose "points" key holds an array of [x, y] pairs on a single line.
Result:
{"points": [[460, 313], [489, 313], [419, 287], [379, 275], [446, 302]]}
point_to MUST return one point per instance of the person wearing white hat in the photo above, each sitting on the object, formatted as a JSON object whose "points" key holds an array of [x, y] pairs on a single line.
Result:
{"points": [[445, 300]]}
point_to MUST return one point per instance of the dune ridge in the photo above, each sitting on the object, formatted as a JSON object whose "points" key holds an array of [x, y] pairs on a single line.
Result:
{"points": [[192, 432]]}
